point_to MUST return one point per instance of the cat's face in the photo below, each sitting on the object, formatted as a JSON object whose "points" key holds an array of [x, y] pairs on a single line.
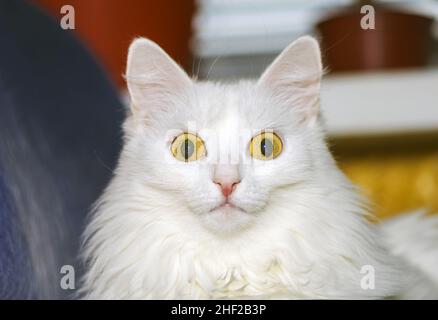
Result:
{"points": [[221, 150]]}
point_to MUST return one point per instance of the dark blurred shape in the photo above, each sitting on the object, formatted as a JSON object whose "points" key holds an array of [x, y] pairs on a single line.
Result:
{"points": [[399, 40], [59, 140], [15, 265], [109, 26]]}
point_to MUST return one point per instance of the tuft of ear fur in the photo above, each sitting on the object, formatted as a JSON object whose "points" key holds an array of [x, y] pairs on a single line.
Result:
{"points": [[152, 76], [295, 76]]}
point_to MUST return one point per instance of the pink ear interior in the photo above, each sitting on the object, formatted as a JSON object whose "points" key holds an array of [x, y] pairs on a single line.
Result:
{"points": [[152, 76], [295, 75]]}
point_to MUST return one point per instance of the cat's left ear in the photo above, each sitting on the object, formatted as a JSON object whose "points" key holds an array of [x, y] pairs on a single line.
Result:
{"points": [[153, 78], [295, 76]]}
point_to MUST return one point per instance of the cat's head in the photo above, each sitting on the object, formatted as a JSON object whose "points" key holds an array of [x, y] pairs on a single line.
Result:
{"points": [[223, 151]]}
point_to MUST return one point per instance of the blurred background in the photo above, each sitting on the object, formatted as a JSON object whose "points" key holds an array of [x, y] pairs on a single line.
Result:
{"points": [[63, 97]]}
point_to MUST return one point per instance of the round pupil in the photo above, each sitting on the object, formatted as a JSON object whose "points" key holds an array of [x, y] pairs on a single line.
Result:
{"points": [[187, 148], [266, 147]]}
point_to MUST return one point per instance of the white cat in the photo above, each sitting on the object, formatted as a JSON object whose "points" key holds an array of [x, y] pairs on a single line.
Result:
{"points": [[230, 191]]}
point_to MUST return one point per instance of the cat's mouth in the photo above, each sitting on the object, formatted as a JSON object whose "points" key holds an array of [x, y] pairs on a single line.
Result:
{"points": [[226, 217], [227, 207]]}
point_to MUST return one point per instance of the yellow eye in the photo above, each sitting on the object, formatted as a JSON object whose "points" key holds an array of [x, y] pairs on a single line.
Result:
{"points": [[188, 147], [265, 146]]}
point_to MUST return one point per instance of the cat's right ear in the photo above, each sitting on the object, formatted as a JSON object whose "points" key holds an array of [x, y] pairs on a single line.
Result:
{"points": [[153, 78]]}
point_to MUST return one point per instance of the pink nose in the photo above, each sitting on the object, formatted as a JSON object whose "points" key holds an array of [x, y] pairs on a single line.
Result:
{"points": [[227, 187], [227, 177]]}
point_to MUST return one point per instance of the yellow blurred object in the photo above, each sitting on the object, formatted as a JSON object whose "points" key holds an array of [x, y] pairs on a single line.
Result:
{"points": [[394, 179]]}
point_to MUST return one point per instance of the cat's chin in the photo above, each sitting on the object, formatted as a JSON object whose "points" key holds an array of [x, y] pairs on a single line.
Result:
{"points": [[226, 218]]}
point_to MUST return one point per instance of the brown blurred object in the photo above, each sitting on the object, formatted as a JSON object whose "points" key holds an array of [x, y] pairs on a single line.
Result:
{"points": [[108, 27], [399, 40]]}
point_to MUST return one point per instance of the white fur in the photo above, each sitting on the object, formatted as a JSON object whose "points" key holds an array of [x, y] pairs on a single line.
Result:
{"points": [[302, 232], [414, 237]]}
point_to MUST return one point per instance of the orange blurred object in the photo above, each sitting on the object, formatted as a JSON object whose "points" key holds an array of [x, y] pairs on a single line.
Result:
{"points": [[108, 27]]}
